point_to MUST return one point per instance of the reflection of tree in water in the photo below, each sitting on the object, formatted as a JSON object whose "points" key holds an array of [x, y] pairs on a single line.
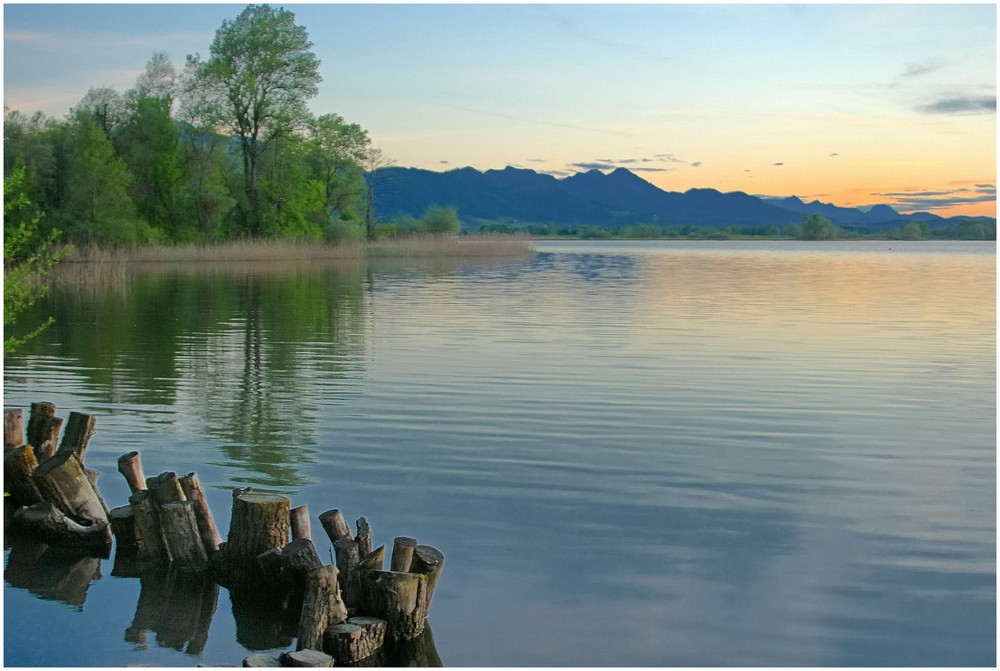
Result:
{"points": [[288, 346]]}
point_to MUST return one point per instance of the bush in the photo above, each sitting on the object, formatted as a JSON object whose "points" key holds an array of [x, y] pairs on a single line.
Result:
{"points": [[439, 220]]}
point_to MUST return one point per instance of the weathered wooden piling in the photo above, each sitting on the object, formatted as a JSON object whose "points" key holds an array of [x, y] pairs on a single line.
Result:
{"points": [[402, 553], [206, 523], [130, 466], [63, 481], [259, 522], [399, 599], [13, 429], [429, 561], [322, 607], [301, 527], [77, 434], [364, 537], [18, 465], [52, 525], [334, 524]]}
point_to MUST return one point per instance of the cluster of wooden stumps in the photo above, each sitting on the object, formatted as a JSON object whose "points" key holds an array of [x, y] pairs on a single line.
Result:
{"points": [[351, 612]]}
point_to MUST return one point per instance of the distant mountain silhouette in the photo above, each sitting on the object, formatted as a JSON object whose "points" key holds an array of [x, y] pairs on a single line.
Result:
{"points": [[616, 199]]}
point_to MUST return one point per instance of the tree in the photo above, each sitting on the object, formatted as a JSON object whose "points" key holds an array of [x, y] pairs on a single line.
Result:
{"points": [[817, 227], [372, 163], [439, 220], [255, 83], [338, 149], [28, 255]]}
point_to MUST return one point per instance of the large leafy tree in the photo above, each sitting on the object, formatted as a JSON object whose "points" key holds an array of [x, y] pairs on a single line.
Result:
{"points": [[255, 83]]}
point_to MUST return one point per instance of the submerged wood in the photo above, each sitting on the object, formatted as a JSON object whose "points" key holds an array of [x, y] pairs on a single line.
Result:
{"points": [[13, 429], [62, 481], [399, 598], [18, 465], [130, 466], [210, 537], [259, 522], [77, 434], [322, 607], [50, 524]]}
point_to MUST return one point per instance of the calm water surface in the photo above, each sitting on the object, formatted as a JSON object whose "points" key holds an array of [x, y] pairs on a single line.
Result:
{"points": [[647, 454]]}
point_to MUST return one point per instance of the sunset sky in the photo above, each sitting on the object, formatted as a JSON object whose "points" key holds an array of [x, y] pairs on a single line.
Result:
{"points": [[850, 104]]}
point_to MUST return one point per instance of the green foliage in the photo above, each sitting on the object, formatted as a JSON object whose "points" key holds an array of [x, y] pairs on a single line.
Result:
{"points": [[817, 227], [28, 255], [438, 220], [256, 82]]}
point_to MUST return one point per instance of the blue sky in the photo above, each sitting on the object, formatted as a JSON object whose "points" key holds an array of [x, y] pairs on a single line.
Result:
{"points": [[855, 104]]}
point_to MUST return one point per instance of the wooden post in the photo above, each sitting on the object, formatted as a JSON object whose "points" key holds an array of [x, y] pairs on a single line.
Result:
{"points": [[180, 535], [79, 430], [54, 527], [334, 525], [63, 481], [92, 476], [305, 658], [364, 537], [13, 429], [122, 521], [259, 522], [18, 465], [165, 488], [322, 607], [347, 562], [402, 553], [399, 599], [297, 559], [373, 561], [210, 537], [148, 539], [43, 430], [429, 561], [130, 466], [372, 638], [260, 660], [349, 642], [301, 527]]}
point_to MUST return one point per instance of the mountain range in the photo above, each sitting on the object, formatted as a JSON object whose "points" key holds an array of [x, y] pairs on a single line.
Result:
{"points": [[613, 200]]}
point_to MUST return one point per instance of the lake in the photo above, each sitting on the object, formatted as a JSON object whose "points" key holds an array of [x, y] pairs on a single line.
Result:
{"points": [[631, 454]]}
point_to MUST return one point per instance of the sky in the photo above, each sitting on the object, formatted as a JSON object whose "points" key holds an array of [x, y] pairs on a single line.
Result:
{"points": [[846, 103]]}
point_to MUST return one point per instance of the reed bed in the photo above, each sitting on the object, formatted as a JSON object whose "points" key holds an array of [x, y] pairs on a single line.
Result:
{"points": [[269, 250]]}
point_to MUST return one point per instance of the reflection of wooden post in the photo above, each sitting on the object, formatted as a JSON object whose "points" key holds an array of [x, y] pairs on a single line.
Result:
{"points": [[402, 553], [301, 527], [18, 465], [13, 429], [63, 481], [43, 430], [210, 537], [399, 599], [79, 430], [130, 466], [259, 522], [321, 607]]}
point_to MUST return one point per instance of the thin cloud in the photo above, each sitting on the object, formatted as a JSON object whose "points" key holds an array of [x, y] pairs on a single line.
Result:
{"points": [[834, 154], [594, 165], [961, 105], [925, 68], [913, 200], [779, 163], [696, 164]]}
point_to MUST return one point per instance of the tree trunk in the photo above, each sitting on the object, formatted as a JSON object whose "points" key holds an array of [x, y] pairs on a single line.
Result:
{"points": [[18, 465], [259, 522], [62, 481], [79, 430], [399, 599], [210, 537], [13, 429], [322, 607]]}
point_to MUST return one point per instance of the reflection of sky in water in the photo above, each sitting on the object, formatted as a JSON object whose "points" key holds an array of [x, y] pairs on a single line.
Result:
{"points": [[711, 456]]}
